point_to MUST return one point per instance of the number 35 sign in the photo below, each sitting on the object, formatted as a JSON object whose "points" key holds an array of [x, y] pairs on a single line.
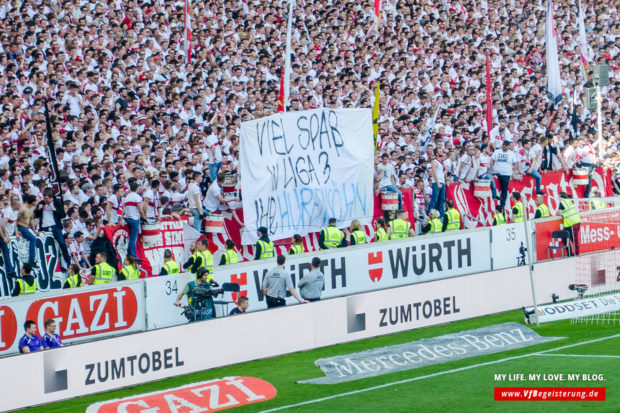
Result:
{"points": [[506, 243]]}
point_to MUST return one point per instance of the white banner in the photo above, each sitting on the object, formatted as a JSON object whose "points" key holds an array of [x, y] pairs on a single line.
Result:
{"points": [[81, 314], [299, 169], [373, 266]]}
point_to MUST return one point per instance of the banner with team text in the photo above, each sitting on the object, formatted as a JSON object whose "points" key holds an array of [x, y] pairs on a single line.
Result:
{"points": [[299, 169]]}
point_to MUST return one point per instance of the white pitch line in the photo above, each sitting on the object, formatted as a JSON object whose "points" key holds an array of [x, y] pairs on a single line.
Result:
{"points": [[440, 373], [578, 355]]}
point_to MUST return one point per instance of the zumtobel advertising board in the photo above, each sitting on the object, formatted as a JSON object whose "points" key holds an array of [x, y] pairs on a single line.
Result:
{"points": [[117, 362]]}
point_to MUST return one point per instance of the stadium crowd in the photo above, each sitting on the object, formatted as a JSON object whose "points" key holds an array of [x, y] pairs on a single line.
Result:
{"points": [[141, 132]]}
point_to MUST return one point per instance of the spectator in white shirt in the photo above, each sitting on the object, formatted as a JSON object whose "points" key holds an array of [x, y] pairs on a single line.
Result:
{"points": [[387, 178], [504, 165]]}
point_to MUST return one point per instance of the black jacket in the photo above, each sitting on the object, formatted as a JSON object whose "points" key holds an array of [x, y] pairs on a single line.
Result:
{"points": [[59, 213]]}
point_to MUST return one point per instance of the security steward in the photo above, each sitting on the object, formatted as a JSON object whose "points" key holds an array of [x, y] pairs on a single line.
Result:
{"points": [[380, 233], [452, 218], [434, 225], [27, 284], [130, 270], [358, 236], [542, 210], [298, 245], [102, 272], [595, 200], [170, 266], [331, 237], [264, 247], [189, 264], [518, 212], [571, 222], [400, 227], [204, 259], [73, 279], [230, 256], [500, 216], [276, 283]]}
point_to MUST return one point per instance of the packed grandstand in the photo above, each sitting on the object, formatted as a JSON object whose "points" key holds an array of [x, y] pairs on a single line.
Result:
{"points": [[142, 128]]}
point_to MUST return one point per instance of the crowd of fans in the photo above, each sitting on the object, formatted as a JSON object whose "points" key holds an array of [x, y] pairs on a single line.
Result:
{"points": [[139, 132]]}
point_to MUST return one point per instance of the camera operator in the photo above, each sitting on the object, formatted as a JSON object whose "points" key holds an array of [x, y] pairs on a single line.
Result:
{"points": [[200, 295]]}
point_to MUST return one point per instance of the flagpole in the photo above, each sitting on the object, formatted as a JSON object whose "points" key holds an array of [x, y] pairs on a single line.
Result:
{"points": [[287, 57], [54, 173]]}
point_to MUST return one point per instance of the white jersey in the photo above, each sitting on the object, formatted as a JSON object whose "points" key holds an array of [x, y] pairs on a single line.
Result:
{"points": [[130, 208], [152, 208], [115, 207], [212, 203], [11, 217]]}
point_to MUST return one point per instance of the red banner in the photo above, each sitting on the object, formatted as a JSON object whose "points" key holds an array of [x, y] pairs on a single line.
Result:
{"points": [[599, 231], [552, 184]]}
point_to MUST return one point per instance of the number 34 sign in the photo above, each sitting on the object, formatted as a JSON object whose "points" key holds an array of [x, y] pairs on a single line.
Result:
{"points": [[161, 294]]}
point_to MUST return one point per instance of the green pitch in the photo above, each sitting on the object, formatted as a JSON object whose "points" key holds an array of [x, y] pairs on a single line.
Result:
{"points": [[461, 386]]}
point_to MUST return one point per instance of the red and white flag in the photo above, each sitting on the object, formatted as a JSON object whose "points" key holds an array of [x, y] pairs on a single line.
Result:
{"points": [[378, 10], [584, 48], [188, 33]]}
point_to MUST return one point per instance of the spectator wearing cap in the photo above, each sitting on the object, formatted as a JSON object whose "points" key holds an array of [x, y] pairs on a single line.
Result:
{"points": [[331, 236], [264, 247]]}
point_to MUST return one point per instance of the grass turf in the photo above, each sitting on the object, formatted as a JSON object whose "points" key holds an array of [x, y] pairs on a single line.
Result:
{"points": [[463, 391]]}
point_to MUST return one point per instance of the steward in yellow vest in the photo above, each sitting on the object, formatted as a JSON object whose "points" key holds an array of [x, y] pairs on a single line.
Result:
{"points": [[452, 218], [170, 266], [27, 284], [230, 256], [380, 233], [518, 212], [102, 272], [400, 227], [542, 210], [264, 247], [331, 237], [500, 217], [298, 245], [357, 235], [73, 279]]}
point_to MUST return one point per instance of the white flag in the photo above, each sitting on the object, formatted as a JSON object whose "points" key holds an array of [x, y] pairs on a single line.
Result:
{"points": [[287, 59], [554, 81], [584, 48], [187, 37]]}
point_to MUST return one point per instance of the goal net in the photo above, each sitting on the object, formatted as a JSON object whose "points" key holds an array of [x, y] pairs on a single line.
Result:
{"points": [[598, 274]]}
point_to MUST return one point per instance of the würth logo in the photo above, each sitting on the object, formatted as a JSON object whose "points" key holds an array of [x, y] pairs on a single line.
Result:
{"points": [[375, 258]]}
